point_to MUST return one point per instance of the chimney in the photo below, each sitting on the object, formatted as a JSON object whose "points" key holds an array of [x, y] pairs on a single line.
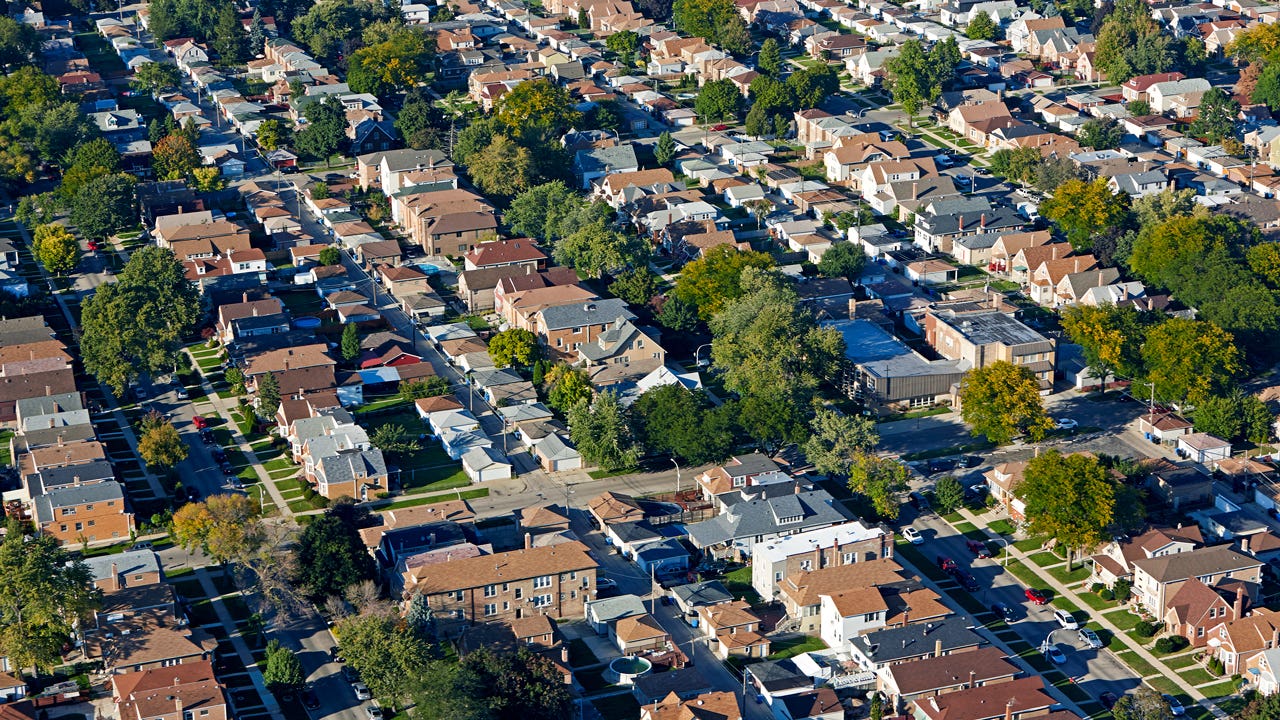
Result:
{"points": [[972, 676], [1244, 544], [817, 556], [1237, 607], [244, 296], [564, 654], [915, 190], [937, 647], [177, 705], [1008, 710], [177, 681], [982, 221], [528, 541], [835, 552], [961, 218], [115, 575]]}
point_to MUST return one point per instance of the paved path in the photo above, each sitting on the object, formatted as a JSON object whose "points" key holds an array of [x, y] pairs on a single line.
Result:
{"points": [[242, 649]]}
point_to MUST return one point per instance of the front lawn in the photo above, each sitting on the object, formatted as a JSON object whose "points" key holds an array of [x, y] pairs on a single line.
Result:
{"points": [[1137, 663], [1069, 577], [1221, 689], [1197, 676], [1123, 619]]}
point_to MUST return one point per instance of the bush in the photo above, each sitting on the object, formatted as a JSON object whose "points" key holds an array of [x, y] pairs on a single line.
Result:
{"points": [[1171, 643], [1122, 589], [318, 501], [1146, 628], [1097, 588], [1107, 594], [1215, 666], [383, 495]]}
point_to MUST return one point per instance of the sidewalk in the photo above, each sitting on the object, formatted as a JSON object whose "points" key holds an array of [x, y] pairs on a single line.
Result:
{"points": [[1061, 590], [246, 656]]}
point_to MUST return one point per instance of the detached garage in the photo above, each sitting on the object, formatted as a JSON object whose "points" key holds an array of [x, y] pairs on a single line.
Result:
{"points": [[484, 464], [555, 455]]}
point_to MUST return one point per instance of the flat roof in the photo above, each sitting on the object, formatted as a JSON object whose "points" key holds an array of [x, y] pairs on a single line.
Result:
{"points": [[864, 341], [992, 327]]}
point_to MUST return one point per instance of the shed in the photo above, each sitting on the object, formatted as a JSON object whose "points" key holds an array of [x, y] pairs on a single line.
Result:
{"points": [[1203, 447], [483, 464], [602, 614]]}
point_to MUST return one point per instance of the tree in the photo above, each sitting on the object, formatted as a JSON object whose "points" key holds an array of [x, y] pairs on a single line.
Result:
{"points": [[272, 134], [138, 323], [623, 44], [811, 87], [1267, 87], [1190, 360], [1141, 704], [1131, 43], [45, 594], [718, 102], [665, 149], [225, 527], [1018, 165], [769, 61], [678, 315], [283, 671], [605, 115], [206, 179], [1138, 108], [504, 168], [876, 711], [1002, 401], [637, 286], [389, 660], [948, 494], [104, 205], [235, 379], [567, 386], [597, 249], [154, 77], [538, 211], [537, 104], [513, 348], [19, 42], [684, 423], [399, 63], [174, 157], [909, 78], [228, 38], [159, 444], [330, 556], [350, 342], [330, 255], [714, 279], [1084, 209], [1216, 116], [601, 433], [418, 123], [1069, 498], [1110, 337], [257, 33], [718, 21], [325, 130], [837, 439], [1220, 416], [329, 28], [394, 439], [842, 260], [268, 393], [879, 479], [1100, 134], [982, 27], [56, 249]]}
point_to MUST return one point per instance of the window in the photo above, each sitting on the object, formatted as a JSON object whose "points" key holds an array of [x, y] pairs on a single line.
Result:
{"points": [[586, 582], [542, 581], [88, 507], [777, 577], [806, 565], [1199, 632], [871, 617], [490, 609], [68, 511], [63, 528], [490, 590], [740, 481], [506, 587], [849, 558], [79, 526], [577, 331], [458, 596], [887, 550], [542, 600], [92, 523], [519, 593]]}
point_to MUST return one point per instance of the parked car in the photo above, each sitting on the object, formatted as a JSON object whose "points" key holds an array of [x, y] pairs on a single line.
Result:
{"points": [[943, 161], [1037, 597], [1065, 424], [310, 700], [938, 466], [1066, 619], [912, 535], [1175, 707], [967, 581], [1090, 638], [970, 461], [918, 501], [1055, 655], [141, 545], [605, 583], [200, 423], [181, 392], [193, 494], [1109, 700], [946, 563], [978, 548], [374, 712], [1002, 611], [362, 691]]}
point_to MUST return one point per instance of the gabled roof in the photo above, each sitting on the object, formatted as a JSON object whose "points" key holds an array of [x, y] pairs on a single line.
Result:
{"points": [[1195, 563]]}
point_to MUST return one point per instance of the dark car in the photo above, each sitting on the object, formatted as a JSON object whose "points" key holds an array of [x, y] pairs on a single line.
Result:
{"points": [[946, 563], [970, 461], [1002, 611], [937, 466], [978, 548], [310, 699], [1109, 700], [967, 581], [335, 655], [219, 455], [1037, 597], [918, 501]]}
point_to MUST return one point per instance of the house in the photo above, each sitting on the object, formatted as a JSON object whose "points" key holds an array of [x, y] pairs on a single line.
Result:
{"points": [[918, 641], [519, 253], [1002, 481], [739, 473], [554, 454], [82, 514], [906, 683], [604, 613], [1242, 640], [760, 518], [554, 580], [853, 542], [1196, 608], [1157, 580], [564, 329], [684, 683], [112, 573], [1016, 699], [190, 690], [733, 630], [1203, 447], [636, 634], [1181, 484], [976, 122], [1115, 562], [612, 508], [592, 164], [718, 705]]}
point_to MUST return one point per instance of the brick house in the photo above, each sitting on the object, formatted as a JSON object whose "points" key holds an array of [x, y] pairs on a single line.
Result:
{"points": [[93, 513], [183, 692], [565, 328]]}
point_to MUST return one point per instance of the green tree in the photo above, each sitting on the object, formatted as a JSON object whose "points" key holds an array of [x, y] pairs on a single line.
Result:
{"points": [[19, 43], [235, 378], [910, 79], [1216, 116], [330, 556], [504, 168], [717, 21], [811, 87], [678, 315], [1110, 337], [56, 249], [536, 212], [597, 249], [718, 101], [104, 205], [394, 439], [602, 434], [948, 494], [637, 286], [623, 44], [330, 255], [228, 38], [837, 439], [174, 157], [769, 61], [665, 149], [389, 660], [714, 279], [537, 104], [684, 423], [876, 711], [153, 77], [45, 596], [516, 347], [881, 480], [325, 131], [401, 62], [417, 123], [1138, 108], [982, 27], [1190, 360], [331, 27], [159, 443], [1069, 498], [1018, 165], [566, 387], [1131, 43], [257, 33], [1141, 704], [1002, 401], [433, 386], [1100, 134], [272, 134], [283, 671], [1220, 416], [1267, 90], [226, 527], [350, 342], [1084, 209], [842, 260], [268, 392]]}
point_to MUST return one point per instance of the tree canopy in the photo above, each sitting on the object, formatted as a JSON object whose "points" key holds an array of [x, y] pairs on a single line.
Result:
{"points": [[714, 279], [881, 480], [45, 595], [1002, 401], [1070, 498], [916, 76], [601, 432], [717, 21], [330, 556], [837, 440], [684, 423], [515, 347], [1084, 209], [400, 62], [389, 660], [225, 527], [1110, 337], [596, 249], [1190, 360], [159, 444], [56, 249], [1131, 43]]}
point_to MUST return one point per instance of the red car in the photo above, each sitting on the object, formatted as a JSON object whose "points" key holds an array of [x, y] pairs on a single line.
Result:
{"points": [[720, 128], [1037, 597], [979, 548], [92, 245], [946, 563], [199, 422]]}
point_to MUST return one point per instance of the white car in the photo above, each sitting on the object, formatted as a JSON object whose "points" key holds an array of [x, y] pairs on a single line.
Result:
{"points": [[1066, 619], [912, 535], [1066, 424], [362, 691]]}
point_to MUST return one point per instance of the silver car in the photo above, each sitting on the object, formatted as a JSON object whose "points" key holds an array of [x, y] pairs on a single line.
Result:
{"points": [[1090, 638]]}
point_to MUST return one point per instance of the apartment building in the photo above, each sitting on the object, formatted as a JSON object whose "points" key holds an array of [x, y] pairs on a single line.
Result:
{"points": [[980, 339], [92, 513], [846, 544]]}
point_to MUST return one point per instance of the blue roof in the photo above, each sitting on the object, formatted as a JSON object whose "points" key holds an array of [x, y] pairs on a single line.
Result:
{"points": [[864, 341]]}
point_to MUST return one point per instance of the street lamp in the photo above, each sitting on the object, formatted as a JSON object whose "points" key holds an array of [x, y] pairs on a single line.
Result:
{"points": [[673, 462], [698, 353]]}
